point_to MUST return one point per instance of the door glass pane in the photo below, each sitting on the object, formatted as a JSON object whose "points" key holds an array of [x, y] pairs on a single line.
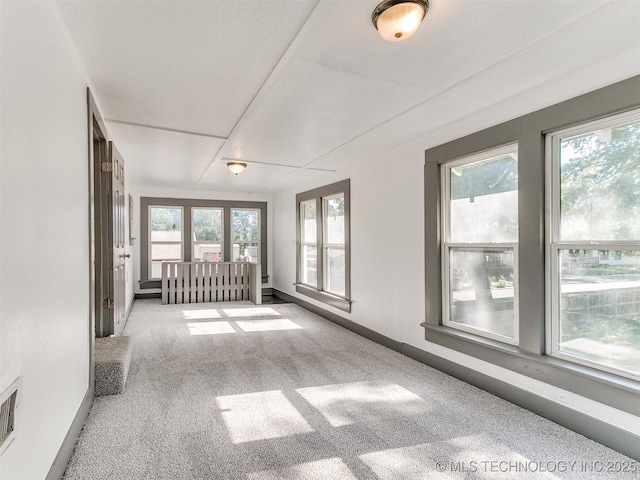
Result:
{"points": [[484, 200], [207, 224], [165, 224], [481, 289], [600, 184], [600, 307], [310, 265], [309, 221], [163, 252]]}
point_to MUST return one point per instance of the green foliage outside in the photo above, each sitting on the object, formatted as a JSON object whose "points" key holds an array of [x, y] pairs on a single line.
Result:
{"points": [[166, 219], [245, 225], [207, 225], [604, 167]]}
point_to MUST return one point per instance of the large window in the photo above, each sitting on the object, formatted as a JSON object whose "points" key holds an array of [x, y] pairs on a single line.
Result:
{"points": [[532, 264], [594, 260], [323, 269], [189, 230], [480, 251], [165, 238]]}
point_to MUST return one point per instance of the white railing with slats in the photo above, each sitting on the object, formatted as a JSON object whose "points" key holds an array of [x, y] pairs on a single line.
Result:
{"points": [[201, 282]]}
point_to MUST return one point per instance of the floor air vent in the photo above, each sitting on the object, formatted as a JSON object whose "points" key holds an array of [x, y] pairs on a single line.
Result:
{"points": [[7, 415]]}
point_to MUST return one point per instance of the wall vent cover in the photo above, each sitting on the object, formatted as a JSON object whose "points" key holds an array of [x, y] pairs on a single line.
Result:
{"points": [[8, 414]]}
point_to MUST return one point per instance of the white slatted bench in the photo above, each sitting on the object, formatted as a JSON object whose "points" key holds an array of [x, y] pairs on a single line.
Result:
{"points": [[203, 282]]}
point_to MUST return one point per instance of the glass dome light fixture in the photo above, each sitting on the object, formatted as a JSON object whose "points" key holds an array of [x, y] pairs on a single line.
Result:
{"points": [[396, 20], [236, 167]]}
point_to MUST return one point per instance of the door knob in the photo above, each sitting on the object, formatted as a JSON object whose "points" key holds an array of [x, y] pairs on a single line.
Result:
{"points": [[126, 255]]}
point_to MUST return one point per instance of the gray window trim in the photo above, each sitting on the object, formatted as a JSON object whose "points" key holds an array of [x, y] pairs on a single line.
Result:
{"points": [[187, 245], [343, 187], [529, 358]]}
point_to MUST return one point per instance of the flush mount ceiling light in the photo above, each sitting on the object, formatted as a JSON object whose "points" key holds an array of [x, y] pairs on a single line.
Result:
{"points": [[399, 19], [237, 167]]}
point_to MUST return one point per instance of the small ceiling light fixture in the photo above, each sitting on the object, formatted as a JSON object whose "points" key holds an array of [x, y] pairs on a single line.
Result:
{"points": [[237, 167], [396, 20]]}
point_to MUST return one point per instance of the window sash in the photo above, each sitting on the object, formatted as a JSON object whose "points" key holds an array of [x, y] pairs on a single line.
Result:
{"points": [[554, 327], [257, 211], [555, 244], [163, 242], [447, 291], [328, 246], [448, 246], [195, 243]]}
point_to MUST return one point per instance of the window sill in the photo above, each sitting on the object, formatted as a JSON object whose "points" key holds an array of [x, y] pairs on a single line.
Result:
{"points": [[604, 387], [324, 297]]}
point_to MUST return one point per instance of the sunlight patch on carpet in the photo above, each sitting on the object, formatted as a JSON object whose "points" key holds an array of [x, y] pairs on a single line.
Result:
{"points": [[249, 312], [486, 456], [407, 462], [350, 403], [197, 314], [210, 328], [259, 416], [267, 325]]}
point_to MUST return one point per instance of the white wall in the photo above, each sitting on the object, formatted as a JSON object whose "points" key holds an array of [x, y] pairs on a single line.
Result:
{"points": [[387, 265], [44, 259], [143, 191]]}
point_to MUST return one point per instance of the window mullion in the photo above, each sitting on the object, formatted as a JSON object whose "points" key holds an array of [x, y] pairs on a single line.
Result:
{"points": [[320, 243]]}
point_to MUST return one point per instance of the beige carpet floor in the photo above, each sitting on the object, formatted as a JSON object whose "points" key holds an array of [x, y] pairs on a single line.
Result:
{"points": [[236, 391]]}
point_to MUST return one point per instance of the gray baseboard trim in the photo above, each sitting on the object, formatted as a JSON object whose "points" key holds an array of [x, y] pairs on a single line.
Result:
{"points": [[138, 296], [343, 322], [65, 451], [266, 292], [604, 433]]}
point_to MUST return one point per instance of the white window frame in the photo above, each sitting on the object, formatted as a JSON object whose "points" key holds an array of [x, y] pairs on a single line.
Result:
{"points": [[318, 292], [195, 242], [554, 244], [304, 244], [326, 245], [251, 243], [151, 243], [448, 246]]}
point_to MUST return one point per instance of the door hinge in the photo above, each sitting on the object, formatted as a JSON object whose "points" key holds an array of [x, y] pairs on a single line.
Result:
{"points": [[106, 167], [107, 303]]}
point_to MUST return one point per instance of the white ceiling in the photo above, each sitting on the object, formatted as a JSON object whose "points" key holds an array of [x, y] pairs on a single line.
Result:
{"points": [[297, 88]]}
